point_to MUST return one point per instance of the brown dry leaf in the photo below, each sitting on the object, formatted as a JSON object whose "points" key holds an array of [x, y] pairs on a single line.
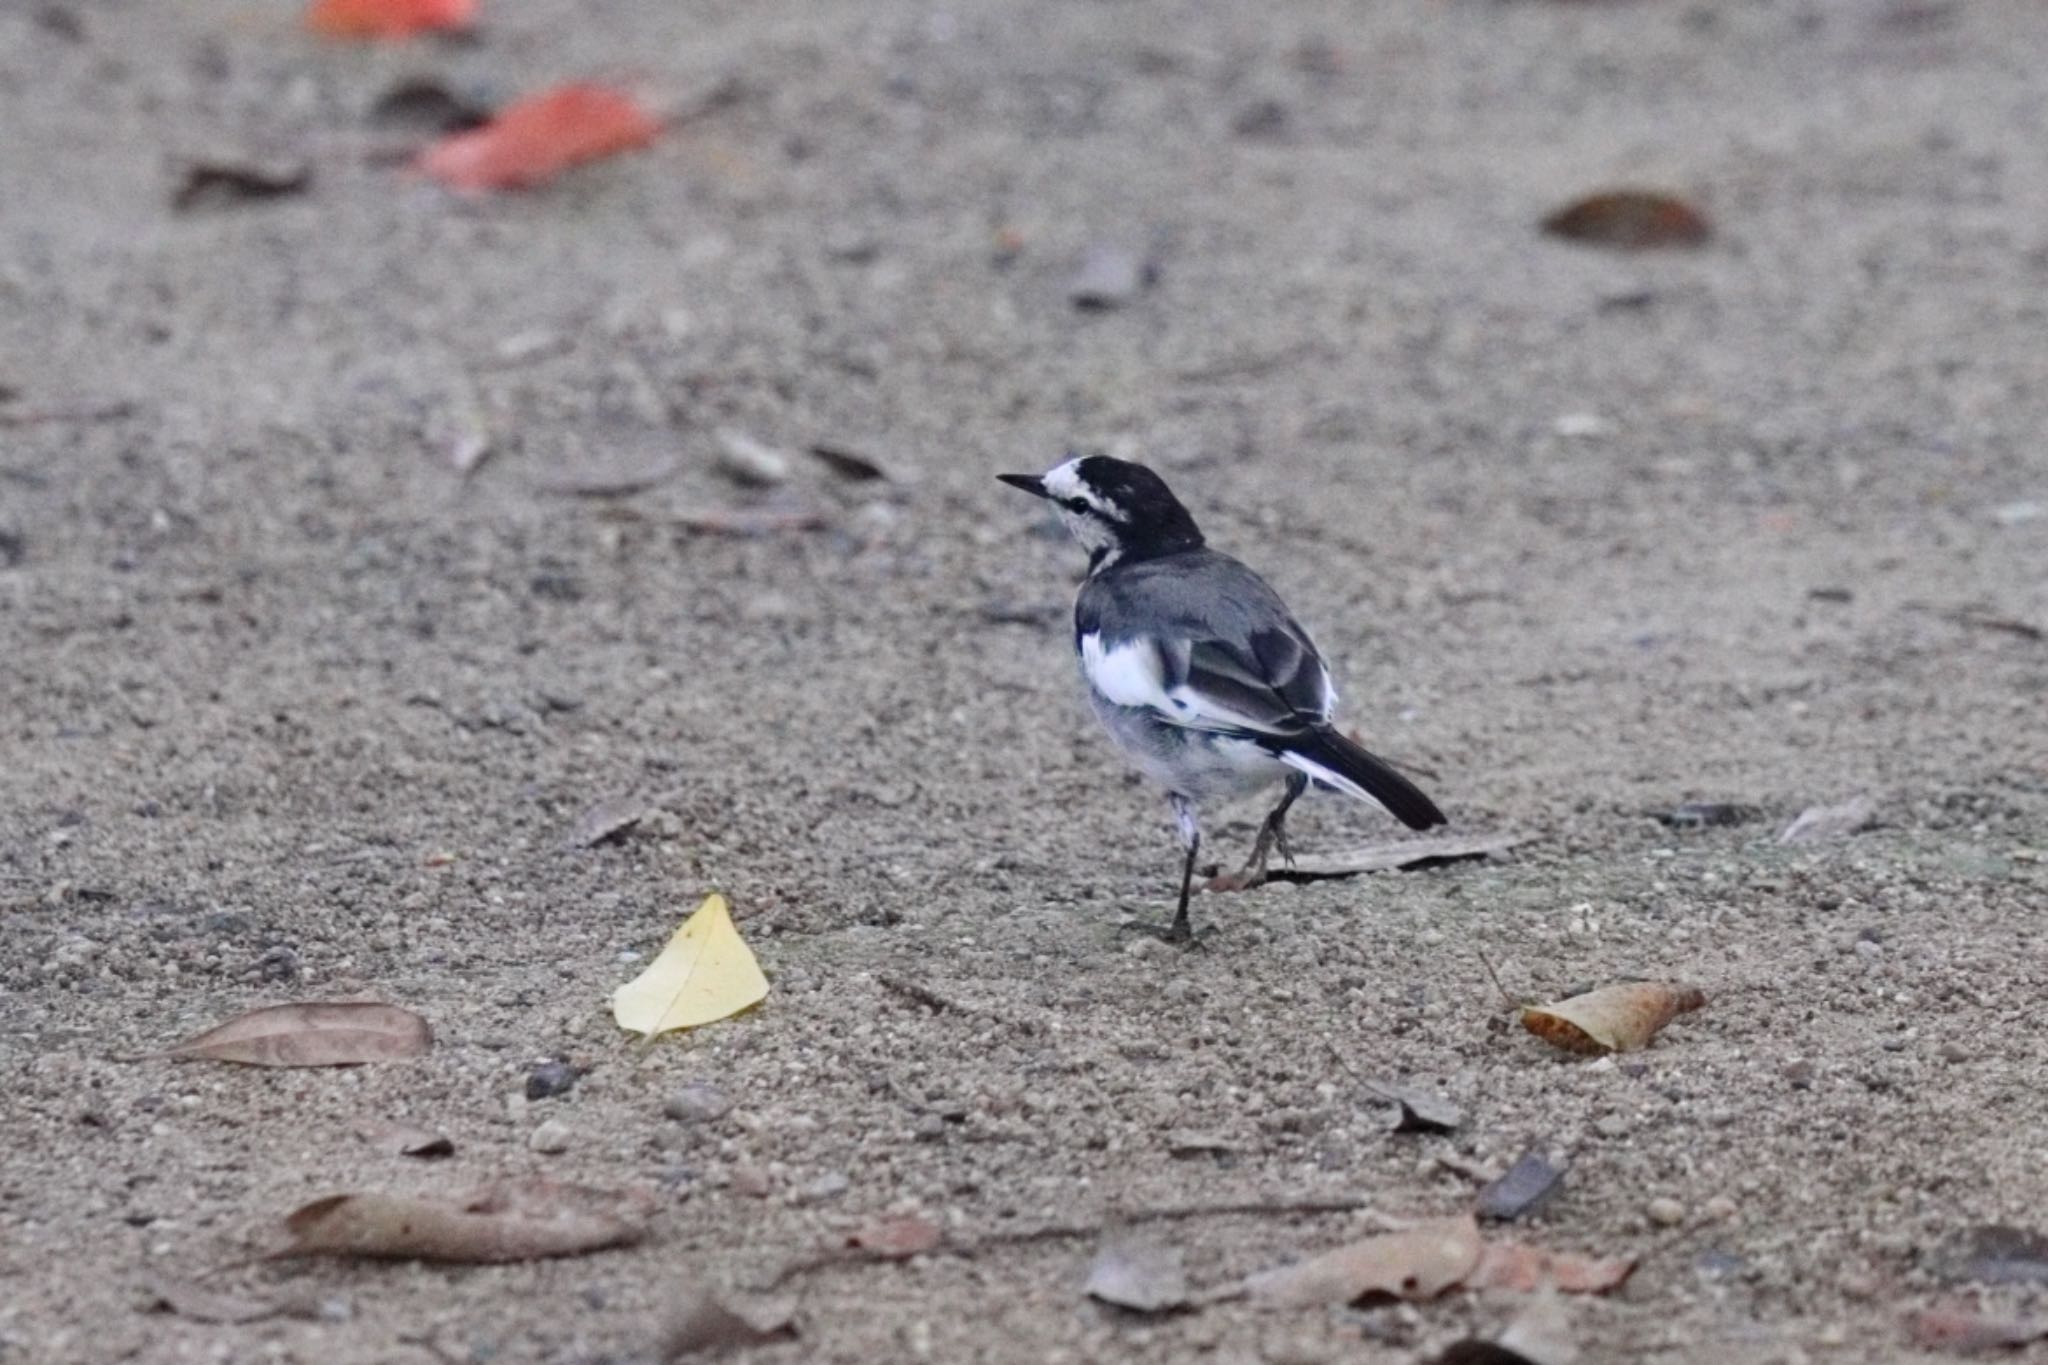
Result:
{"points": [[1418, 1263], [1145, 1277], [509, 1220], [1392, 856], [896, 1239], [1630, 218], [1521, 1267], [321, 1034], [1961, 1328], [205, 1305], [706, 1322], [1613, 1018]]}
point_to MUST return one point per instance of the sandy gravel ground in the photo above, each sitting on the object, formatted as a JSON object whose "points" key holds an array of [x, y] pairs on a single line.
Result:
{"points": [[290, 710]]}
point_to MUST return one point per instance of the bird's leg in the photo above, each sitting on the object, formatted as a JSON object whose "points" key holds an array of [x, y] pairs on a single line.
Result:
{"points": [[1273, 834], [1181, 930]]}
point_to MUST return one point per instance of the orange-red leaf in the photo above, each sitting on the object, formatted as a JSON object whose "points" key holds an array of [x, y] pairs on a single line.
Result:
{"points": [[540, 137], [1630, 218], [388, 18]]}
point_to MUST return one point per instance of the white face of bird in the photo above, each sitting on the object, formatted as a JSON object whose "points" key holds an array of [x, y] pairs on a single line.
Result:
{"points": [[1089, 517]]}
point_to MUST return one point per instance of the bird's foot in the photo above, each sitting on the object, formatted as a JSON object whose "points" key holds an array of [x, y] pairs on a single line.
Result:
{"points": [[1180, 933]]}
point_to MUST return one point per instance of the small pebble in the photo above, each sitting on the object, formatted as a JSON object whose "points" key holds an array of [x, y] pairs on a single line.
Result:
{"points": [[828, 1186], [550, 1137], [550, 1079], [1720, 1208], [697, 1103], [1953, 1052], [1666, 1212], [750, 1181], [1611, 1126], [748, 461]]}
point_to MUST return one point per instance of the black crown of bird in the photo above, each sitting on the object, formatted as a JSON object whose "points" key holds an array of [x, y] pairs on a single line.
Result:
{"points": [[1201, 676]]}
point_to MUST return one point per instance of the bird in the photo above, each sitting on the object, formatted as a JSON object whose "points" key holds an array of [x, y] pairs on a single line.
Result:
{"points": [[1199, 673]]}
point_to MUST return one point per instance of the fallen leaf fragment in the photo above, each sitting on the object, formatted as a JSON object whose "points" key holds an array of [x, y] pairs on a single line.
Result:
{"points": [[849, 463], [510, 1220], [224, 184], [707, 1322], [536, 139], [896, 1239], [706, 973], [1396, 855], [1417, 1111], [1525, 1269], [1612, 1019], [1144, 1277], [1527, 1183], [1964, 1330], [608, 819], [1418, 1263], [388, 18], [1631, 219], [1816, 824], [325, 1034], [200, 1304], [402, 1139]]}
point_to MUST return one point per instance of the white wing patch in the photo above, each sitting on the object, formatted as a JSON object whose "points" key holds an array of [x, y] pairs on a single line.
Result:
{"points": [[1131, 674]]}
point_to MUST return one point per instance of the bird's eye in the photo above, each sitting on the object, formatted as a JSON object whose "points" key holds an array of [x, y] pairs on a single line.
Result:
{"points": [[1076, 505]]}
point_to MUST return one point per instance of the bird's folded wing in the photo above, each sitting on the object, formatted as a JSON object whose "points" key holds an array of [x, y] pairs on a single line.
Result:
{"points": [[1270, 684]]}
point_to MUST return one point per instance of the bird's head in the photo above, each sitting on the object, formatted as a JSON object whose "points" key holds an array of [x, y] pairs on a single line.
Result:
{"points": [[1118, 510]]}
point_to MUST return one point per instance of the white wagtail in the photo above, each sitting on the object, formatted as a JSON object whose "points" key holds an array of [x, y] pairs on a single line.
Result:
{"points": [[1197, 669]]}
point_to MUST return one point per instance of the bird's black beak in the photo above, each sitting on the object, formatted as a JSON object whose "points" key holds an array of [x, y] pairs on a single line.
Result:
{"points": [[1030, 483]]}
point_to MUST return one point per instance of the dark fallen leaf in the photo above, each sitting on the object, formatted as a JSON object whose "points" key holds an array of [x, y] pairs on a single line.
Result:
{"points": [[751, 521], [1110, 276], [897, 1239], [609, 819], [706, 1322], [1991, 620], [1817, 824], [511, 1220], [1527, 1183], [849, 463], [1707, 815], [1541, 1334], [423, 104], [2000, 1254], [224, 184], [1144, 1277], [1417, 1111], [402, 1139], [1963, 1329], [1396, 855], [1472, 1351], [323, 1034], [1416, 1264], [205, 1305], [1629, 218]]}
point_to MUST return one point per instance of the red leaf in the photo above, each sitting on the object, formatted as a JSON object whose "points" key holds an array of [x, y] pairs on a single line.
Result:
{"points": [[1630, 218], [538, 138], [388, 18]]}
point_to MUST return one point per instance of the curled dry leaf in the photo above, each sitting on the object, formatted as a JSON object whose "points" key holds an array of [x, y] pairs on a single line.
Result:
{"points": [[328, 1034], [1613, 1018], [536, 139], [1519, 1266], [1418, 1263], [896, 1239], [706, 973], [1144, 1277], [388, 18], [1630, 218], [510, 1220], [707, 1322], [1963, 1329]]}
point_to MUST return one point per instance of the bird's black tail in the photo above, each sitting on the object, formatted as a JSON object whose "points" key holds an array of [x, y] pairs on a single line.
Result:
{"points": [[1329, 757]]}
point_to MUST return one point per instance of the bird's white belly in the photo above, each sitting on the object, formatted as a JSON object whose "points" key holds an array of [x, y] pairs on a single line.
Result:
{"points": [[1194, 763]]}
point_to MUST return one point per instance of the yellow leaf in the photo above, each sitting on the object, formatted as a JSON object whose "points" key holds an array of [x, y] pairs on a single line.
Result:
{"points": [[706, 972]]}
